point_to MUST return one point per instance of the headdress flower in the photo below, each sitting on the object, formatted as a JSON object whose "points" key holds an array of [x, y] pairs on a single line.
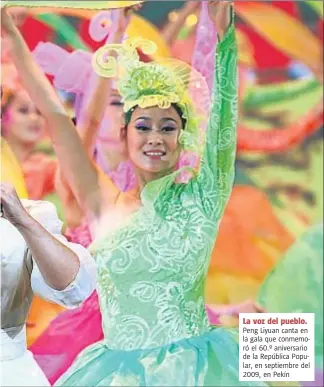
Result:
{"points": [[159, 83]]}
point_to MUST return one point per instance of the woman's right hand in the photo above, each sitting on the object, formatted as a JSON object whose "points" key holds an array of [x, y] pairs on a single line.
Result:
{"points": [[18, 15], [15, 17], [6, 21], [11, 206]]}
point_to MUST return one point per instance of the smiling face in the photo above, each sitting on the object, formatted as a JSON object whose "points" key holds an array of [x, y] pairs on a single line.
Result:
{"points": [[22, 122], [152, 139]]}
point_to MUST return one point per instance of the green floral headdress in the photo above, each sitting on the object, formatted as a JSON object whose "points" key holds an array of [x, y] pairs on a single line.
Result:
{"points": [[159, 83]]}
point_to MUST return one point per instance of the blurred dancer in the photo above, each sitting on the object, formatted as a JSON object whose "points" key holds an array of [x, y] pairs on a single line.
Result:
{"points": [[23, 127]]}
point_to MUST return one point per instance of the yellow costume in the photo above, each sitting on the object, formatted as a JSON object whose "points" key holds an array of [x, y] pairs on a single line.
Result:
{"points": [[11, 171]]}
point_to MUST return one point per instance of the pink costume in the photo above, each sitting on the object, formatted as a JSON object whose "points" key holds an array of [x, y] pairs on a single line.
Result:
{"points": [[38, 169]]}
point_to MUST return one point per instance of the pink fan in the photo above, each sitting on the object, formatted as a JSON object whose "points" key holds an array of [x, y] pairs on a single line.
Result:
{"points": [[71, 71]]}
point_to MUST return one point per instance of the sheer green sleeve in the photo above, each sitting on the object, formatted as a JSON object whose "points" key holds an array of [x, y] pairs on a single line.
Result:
{"points": [[216, 174]]}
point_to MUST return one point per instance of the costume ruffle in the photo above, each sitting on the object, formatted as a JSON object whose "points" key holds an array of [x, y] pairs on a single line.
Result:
{"points": [[207, 360]]}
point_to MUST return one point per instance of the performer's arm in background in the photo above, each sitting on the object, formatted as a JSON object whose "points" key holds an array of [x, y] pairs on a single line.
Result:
{"points": [[76, 166], [92, 114]]}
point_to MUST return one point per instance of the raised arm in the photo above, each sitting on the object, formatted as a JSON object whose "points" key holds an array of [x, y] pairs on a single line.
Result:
{"points": [[217, 165], [93, 113], [75, 164], [83, 283], [88, 123], [62, 272], [96, 100]]}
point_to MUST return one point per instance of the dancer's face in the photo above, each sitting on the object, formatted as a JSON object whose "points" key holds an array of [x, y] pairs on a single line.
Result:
{"points": [[115, 112], [152, 139], [110, 135], [22, 122]]}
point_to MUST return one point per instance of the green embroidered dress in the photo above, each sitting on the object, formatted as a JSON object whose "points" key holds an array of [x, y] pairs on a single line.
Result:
{"points": [[152, 271]]}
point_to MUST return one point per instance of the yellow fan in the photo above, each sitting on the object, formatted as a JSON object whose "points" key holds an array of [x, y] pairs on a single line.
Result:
{"points": [[102, 4], [142, 28]]}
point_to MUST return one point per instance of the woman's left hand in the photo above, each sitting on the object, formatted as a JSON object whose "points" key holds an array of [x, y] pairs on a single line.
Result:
{"points": [[220, 14], [11, 206]]}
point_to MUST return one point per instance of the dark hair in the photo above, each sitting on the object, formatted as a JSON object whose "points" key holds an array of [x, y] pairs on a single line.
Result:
{"points": [[128, 115], [7, 97]]}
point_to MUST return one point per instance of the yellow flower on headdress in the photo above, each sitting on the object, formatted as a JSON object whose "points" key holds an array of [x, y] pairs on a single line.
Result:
{"points": [[159, 83], [149, 85]]}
